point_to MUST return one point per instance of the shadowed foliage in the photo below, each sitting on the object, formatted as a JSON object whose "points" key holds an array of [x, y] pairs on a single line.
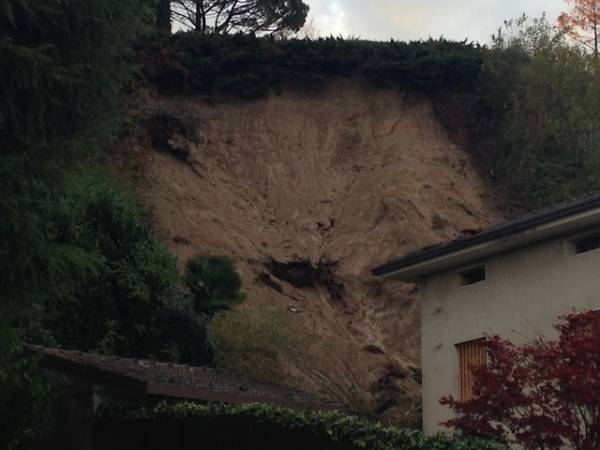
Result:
{"points": [[250, 67]]}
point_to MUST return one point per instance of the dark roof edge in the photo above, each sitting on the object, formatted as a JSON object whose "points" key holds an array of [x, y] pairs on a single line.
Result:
{"points": [[272, 394], [499, 231], [57, 362]]}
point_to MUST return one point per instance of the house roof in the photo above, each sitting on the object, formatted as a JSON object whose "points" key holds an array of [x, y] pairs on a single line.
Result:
{"points": [[148, 377], [544, 224]]}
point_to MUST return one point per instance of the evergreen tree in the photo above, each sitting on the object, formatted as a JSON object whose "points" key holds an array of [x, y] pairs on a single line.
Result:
{"points": [[163, 15], [241, 16], [80, 266]]}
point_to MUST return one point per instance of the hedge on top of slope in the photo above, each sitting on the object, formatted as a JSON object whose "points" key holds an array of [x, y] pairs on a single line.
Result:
{"points": [[249, 66]]}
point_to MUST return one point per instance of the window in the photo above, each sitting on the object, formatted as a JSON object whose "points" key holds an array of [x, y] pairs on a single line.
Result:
{"points": [[473, 275], [471, 355], [585, 243]]}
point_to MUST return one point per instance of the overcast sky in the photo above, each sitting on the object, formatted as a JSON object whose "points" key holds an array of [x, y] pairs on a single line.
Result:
{"points": [[420, 19]]}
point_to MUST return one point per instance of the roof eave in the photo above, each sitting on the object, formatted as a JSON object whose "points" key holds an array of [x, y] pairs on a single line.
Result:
{"points": [[472, 254]]}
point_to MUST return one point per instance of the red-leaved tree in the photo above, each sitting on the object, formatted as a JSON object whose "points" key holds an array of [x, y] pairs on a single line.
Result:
{"points": [[582, 23], [543, 395]]}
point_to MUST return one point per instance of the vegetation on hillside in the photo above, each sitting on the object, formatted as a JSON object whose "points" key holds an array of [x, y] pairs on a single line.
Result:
{"points": [[214, 283], [250, 67], [528, 104], [80, 265], [115, 288], [535, 120], [255, 343], [24, 396], [60, 92]]}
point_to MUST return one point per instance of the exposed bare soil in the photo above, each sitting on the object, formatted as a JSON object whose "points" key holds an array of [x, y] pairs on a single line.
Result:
{"points": [[307, 192]]}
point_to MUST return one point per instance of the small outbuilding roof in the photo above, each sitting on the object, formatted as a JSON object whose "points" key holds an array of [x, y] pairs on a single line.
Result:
{"points": [[545, 224], [148, 377]]}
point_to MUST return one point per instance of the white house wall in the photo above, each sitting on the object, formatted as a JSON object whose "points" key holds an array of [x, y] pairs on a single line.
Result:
{"points": [[524, 293]]}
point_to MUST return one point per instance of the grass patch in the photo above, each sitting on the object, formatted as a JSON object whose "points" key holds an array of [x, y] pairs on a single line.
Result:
{"points": [[255, 343]]}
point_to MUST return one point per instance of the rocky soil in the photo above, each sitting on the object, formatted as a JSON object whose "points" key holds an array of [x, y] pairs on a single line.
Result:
{"points": [[308, 192]]}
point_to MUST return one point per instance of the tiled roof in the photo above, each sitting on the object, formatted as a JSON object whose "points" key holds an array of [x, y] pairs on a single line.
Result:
{"points": [[175, 380]]}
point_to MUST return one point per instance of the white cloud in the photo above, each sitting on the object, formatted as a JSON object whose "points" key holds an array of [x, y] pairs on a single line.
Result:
{"points": [[329, 17], [419, 19]]}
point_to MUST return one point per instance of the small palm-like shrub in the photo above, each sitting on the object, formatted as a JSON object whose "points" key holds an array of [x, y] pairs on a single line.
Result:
{"points": [[213, 282]]}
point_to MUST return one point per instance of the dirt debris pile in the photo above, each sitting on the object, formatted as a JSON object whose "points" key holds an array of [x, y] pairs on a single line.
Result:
{"points": [[288, 184]]}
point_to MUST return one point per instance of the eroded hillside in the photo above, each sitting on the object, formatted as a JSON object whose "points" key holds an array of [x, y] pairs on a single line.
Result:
{"points": [[347, 178]]}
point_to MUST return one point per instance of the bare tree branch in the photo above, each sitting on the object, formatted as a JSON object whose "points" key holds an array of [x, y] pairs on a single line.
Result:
{"points": [[245, 16]]}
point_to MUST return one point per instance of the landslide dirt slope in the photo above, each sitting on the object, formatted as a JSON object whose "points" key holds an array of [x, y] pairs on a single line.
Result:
{"points": [[346, 174]]}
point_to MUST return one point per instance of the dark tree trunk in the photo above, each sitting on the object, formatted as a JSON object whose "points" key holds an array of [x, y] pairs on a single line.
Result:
{"points": [[163, 15], [596, 37], [199, 21]]}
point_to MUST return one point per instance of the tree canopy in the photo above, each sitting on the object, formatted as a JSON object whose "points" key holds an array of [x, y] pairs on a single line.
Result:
{"points": [[582, 23], [542, 395], [240, 16]]}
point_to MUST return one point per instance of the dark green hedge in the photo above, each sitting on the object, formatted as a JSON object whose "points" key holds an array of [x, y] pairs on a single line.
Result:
{"points": [[332, 429], [248, 66]]}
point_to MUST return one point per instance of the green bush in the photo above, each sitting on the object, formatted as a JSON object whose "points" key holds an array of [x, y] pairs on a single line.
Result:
{"points": [[64, 64], [112, 287], [248, 66], [336, 427], [213, 282], [80, 266], [24, 397], [536, 124]]}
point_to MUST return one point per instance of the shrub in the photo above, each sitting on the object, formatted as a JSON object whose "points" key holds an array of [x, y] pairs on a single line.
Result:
{"points": [[24, 397], [248, 66], [213, 282], [536, 122], [266, 344], [544, 395], [64, 64], [255, 343], [329, 427], [109, 285]]}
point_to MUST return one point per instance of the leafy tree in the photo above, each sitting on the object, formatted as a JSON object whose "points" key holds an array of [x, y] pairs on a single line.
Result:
{"points": [[24, 396], [583, 23], [115, 288], [64, 64], [241, 16], [536, 120], [213, 282], [542, 395], [80, 266]]}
